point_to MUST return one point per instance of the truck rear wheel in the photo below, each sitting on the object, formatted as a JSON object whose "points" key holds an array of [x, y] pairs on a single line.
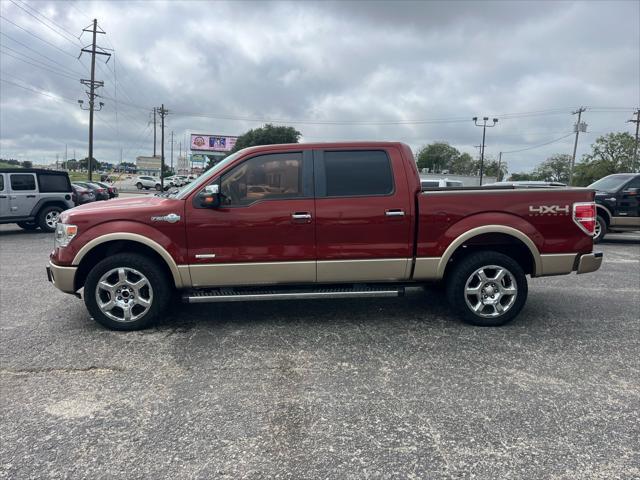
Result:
{"points": [[601, 229], [126, 292], [487, 288]]}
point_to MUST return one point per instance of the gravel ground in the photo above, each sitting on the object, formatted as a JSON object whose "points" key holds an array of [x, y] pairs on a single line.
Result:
{"points": [[345, 389]]}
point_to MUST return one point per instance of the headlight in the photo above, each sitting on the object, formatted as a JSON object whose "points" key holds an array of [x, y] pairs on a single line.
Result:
{"points": [[64, 234]]}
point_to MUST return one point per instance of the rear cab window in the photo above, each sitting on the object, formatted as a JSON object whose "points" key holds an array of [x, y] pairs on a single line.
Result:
{"points": [[355, 173], [22, 182], [1, 182]]}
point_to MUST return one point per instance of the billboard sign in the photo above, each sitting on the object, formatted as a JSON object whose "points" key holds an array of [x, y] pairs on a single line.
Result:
{"points": [[212, 143]]}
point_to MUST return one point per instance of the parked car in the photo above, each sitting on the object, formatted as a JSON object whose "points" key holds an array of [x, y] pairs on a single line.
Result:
{"points": [[82, 195], [34, 198], [147, 182], [525, 184], [111, 190], [175, 181], [439, 183], [185, 179], [338, 220], [100, 192], [618, 204]]}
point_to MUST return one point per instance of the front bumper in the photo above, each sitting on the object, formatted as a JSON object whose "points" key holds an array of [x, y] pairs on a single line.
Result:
{"points": [[590, 262], [62, 277]]}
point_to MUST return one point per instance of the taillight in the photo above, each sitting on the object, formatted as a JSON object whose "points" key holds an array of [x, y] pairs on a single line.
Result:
{"points": [[584, 215]]}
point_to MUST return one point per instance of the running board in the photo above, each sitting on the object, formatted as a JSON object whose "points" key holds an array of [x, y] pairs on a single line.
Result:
{"points": [[257, 294]]}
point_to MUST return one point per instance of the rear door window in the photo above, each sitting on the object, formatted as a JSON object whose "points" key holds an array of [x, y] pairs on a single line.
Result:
{"points": [[54, 183], [1, 183], [23, 182], [357, 173]]}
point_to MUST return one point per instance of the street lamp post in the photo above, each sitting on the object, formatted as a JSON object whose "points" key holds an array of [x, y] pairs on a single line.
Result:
{"points": [[484, 133]]}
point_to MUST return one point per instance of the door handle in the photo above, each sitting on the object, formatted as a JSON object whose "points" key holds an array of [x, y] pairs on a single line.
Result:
{"points": [[3, 196], [301, 216], [394, 213], [31, 196], [12, 197]]}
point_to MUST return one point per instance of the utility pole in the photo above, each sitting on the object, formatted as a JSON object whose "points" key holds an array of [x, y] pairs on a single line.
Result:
{"points": [[634, 164], [499, 163], [65, 156], [171, 150], [484, 132], [163, 113], [578, 127], [92, 84], [154, 131]]}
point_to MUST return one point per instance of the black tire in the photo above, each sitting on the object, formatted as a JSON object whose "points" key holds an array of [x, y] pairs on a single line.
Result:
{"points": [[28, 225], [463, 271], [139, 185], [161, 290], [602, 223], [45, 218]]}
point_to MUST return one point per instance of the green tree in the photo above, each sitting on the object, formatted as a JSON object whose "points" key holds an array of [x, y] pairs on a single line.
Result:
{"points": [[267, 135], [491, 169], [84, 164], [522, 177], [27, 164], [72, 164], [437, 157], [611, 153], [464, 164], [554, 169]]}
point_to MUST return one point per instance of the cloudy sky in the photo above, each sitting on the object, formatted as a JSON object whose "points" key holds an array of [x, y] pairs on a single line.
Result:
{"points": [[413, 71]]}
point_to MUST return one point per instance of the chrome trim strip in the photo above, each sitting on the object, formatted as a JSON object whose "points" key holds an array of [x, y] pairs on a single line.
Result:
{"points": [[290, 296], [206, 255]]}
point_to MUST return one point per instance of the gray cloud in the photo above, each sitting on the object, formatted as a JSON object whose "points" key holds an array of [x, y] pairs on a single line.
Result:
{"points": [[349, 61]]}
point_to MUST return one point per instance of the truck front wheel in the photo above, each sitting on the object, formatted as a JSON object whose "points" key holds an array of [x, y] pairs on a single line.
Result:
{"points": [[487, 288], [126, 292]]}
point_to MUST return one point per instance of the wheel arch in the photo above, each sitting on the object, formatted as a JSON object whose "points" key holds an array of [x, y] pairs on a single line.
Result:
{"points": [[604, 212], [500, 238], [109, 244]]}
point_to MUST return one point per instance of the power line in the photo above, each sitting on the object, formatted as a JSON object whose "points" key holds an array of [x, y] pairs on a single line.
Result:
{"points": [[38, 20], [54, 96], [36, 36], [33, 50], [62, 74], [48, 19], [61, 67], [539, 145]]}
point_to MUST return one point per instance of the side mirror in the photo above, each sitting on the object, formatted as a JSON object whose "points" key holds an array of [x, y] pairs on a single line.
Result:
{"points": [[210, 196]]}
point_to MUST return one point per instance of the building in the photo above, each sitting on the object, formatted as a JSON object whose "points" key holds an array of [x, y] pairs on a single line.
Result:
{"points": [[148, 165]]}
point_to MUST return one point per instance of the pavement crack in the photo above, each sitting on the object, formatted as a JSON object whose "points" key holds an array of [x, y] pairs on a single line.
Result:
{"points": [[36, 370]]}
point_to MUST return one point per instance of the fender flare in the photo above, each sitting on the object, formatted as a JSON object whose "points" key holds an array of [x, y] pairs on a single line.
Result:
{"points": [[607, 211], [474, 232], [134, 237]]}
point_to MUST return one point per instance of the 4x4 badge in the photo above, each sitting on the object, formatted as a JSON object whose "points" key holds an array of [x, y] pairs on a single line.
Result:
{"points": [[171, 218], [548, 210]]}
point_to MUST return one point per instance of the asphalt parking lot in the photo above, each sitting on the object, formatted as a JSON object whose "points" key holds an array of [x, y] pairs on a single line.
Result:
{"points": [[378, 388]]}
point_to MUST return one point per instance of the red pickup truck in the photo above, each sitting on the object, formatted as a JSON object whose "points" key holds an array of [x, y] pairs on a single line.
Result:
{"points": [[320, 221]]}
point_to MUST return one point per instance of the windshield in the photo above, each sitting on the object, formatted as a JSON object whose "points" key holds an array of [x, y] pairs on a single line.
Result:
{"points": [[190, 187], [610, 183]]}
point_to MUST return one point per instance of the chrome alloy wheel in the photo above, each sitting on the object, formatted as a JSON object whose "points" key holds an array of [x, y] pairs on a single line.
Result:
{"points": [[124, 294], [597, 230], [490, 291], [51, 219]]}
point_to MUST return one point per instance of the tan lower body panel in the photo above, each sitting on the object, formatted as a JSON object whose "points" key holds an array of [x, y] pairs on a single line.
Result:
{"points": [[557, 264], [627, 222], [63, 277], [379, 270], [426, 268], [267, 273]]}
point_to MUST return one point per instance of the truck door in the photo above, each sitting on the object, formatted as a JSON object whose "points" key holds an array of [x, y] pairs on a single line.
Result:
{"points": [[23, 194], [364, 215], [263, 232], [628, 199], [4, 198]]}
